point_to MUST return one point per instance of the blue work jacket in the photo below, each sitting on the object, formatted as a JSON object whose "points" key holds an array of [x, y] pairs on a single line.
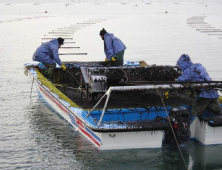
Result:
{"points": [[195, 72], [48, 53], [112, 45]]}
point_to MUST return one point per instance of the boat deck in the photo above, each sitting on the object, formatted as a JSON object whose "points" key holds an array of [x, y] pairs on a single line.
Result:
{"points": [[73, 83], [132, 99]]}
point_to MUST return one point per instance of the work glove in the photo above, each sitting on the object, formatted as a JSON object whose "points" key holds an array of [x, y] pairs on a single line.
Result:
{"points": [[63, 67], [113, 58], [166, 94], [106, 60]]}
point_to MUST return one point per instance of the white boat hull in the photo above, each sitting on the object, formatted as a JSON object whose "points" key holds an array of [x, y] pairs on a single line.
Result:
{"points": [[206, 134], [104, 140], [129, 140]]}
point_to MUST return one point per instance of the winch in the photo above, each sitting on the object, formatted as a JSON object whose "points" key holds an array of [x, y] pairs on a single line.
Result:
{"points": [[95, 83], [180, 123]]}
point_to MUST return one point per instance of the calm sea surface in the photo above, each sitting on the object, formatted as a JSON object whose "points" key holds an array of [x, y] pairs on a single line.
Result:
{"points": [[34, 137]]}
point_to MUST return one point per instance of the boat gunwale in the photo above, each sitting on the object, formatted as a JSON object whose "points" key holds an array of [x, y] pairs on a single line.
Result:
{"points": [[95, 129]]}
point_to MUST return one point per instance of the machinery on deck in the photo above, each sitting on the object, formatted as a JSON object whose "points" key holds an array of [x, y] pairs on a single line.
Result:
{"points": [[180, 123]]}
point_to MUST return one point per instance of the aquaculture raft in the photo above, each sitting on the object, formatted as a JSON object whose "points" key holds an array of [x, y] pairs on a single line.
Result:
{"points": [[115, 107]]}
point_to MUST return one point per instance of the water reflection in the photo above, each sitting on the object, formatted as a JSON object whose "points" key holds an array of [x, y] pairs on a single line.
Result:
{"points": [[59, 142], [56, 141], [207, 157]]}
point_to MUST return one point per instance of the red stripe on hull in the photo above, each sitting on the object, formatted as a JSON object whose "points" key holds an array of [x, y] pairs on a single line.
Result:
{"points": [[78, 121], [89, 136]]}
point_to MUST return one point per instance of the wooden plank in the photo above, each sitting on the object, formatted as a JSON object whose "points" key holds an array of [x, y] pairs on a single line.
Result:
{"points": [[62, 35], [73, 54], [61, 32], [54, 38], [69, 47], [201, 27], [68, 42], [208, 29], [86, 23], [214, 34]]}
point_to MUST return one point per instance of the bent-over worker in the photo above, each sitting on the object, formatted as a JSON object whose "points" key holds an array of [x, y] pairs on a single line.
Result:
{"points": [[47, 54], [206, 98], [113, 48]]}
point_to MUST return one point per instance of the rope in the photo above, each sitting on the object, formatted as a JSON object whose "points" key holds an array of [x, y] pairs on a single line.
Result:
{"points": [[172, 130], [66, 86], [125, 75], [31, 87], [73, 77]]}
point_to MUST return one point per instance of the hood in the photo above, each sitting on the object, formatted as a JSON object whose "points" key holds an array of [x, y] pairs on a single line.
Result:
{"points": [[184, 62], [109, 34], [55, 41]]}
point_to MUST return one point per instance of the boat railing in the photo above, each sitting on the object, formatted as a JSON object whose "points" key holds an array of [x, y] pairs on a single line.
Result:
{"points": [[169, 86]]}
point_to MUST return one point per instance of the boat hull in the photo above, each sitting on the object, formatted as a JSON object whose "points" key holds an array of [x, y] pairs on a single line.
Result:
{"points": [[102, 140], [206, 134], [128, 139]]}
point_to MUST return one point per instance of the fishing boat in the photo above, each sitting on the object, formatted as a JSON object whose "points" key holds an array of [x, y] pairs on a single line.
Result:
{"points": [[126, 107]]}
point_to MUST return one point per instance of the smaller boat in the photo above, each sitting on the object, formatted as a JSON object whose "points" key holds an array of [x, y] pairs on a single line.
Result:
{"points": [[126, 107]]}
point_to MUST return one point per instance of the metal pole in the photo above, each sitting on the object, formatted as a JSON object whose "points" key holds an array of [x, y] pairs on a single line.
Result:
{"points": [[87, 92], [104, 108], [31, 87], [96, 105], [166, 87], [81, 85], [175, 82]]}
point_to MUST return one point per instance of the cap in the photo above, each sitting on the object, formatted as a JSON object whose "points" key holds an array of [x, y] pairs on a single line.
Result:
{"points": [[60, 40], [102, 32]]}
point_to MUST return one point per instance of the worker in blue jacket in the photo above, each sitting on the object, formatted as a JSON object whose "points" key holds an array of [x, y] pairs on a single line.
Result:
{"points": [[113, 47], [206, 98], [47, 53]]}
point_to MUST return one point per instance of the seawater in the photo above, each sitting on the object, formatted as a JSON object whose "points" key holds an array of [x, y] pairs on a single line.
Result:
{"points": [[34, 137]]}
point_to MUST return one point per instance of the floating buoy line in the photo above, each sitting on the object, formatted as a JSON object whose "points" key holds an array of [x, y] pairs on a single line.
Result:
{"points": [[25, 18], [198, 23], [67, 32]]}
